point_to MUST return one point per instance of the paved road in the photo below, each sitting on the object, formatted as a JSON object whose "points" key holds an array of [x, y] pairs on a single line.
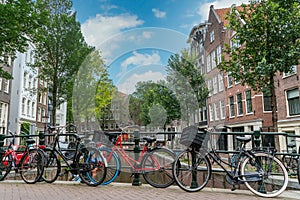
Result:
{"points": [[71, 191]]}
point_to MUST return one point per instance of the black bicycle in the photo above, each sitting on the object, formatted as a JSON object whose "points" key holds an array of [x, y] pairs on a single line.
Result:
{"points": [[261, 172], [291, 160], [87, 162]]}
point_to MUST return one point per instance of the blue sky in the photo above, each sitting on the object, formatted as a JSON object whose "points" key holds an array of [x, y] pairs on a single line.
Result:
{"points": [[136, 37]]}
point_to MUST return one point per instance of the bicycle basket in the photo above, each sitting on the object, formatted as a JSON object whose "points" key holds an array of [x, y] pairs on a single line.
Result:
{"points": [[192, 138]]}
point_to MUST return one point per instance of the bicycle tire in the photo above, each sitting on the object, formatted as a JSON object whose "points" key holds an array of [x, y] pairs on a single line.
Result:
{"points": [[270, 181], [5, 165], [290, 163], [32, 166], [189, 177], [162, 177], [113, 165], [298, 170], [91, 165], [52, 167]]}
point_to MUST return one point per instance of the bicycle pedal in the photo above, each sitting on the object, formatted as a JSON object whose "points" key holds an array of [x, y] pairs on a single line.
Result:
{"points": [[233, 188], [61, 174]]}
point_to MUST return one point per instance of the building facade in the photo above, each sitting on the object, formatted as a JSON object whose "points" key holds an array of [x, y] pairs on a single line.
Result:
{"points": [[24, 101], [5, 93]]}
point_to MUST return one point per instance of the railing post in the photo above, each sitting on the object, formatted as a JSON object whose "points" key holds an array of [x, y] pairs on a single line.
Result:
{"points": [[257, 139], [41, 138], [136, 178], [2, 137]]}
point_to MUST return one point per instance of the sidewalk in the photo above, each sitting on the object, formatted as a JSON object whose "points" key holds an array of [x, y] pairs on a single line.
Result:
{"points": [[64, 190]]}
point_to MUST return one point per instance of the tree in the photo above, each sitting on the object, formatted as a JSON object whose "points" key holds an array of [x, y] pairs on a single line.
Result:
{"points": [[92, 91], [268, 34], [187, 82], [149, 95], [19, 20], [60, 50]]}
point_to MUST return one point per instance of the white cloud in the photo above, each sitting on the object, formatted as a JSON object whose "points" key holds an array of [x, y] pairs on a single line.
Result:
{"points": [[147, 34], [203, 9], [128, 86], [100, 28], [158, 14], [140, 59]]}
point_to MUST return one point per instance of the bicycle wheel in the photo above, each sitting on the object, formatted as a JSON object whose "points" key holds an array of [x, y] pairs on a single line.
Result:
{"points": [[290, 163], [5, 165], [91, 166], [32, 166], [298, 170], [52, 166], [191, 171], [264, 175], [113, 165], [157, 166]]}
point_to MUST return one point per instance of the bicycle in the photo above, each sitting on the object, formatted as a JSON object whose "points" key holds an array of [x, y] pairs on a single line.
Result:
{"points": [[261, 172], [154, 163], [29, 164], [292, 161], [85, 161]]}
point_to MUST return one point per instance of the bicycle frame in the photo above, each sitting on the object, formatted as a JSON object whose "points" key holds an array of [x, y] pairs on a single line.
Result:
{"points": [[234, 175], [134, 164], [61, 154]]}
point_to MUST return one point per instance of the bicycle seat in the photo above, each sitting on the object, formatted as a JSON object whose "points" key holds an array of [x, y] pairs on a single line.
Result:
{"points": [[291, 145], [149, 139], [112, 135], [243, 138], [30, 141]]}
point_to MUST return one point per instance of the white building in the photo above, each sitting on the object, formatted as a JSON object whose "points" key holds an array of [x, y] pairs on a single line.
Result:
{"points": [[24, 96]]}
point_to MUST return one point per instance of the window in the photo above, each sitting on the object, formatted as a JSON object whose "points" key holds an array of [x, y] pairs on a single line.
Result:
{"points": [[5, 85], [212, 36], [211, 113], [29, 82], [24, 80], [231, 106], [239, 104], [229, 79], [221, 84], [23, 106], [267, 102], [234, 43], [248, 101], [219, 54], [39, 114], [43, 116], [216, 108], [215, 85], [208, 63], [222, 109], [33, 109], [28, 107], [292, 72], [213, 59], [209, 87], [0, 84], [293, 102]]}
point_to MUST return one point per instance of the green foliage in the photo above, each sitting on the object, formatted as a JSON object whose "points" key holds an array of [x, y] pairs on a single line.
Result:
{"points": [[147, 98], [25, 127], [187, 82], [269, 33], [60, 50], [19, 21]]}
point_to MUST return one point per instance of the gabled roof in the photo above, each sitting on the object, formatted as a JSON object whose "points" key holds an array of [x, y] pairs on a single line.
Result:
{"points": [[222, 12]]}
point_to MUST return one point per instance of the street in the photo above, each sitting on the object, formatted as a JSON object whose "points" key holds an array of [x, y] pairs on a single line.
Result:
{"points": [[17, 190]]}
